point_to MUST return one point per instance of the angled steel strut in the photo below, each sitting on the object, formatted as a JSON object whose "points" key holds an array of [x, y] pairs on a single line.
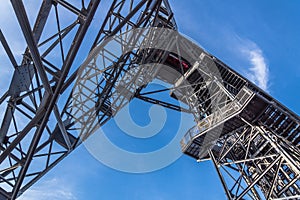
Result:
{"points": [[37, 131]]}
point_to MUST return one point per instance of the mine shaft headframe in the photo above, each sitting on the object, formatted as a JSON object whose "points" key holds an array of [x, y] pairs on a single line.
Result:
{"points": [[36, 131]]}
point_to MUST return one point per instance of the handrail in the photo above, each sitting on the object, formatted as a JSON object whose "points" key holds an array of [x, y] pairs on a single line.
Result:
{"points": [[213, 120]]}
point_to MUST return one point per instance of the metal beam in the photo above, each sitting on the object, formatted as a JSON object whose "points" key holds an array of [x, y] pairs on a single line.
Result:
{"points": [[219, 174], [259, 177], [35, 55], [8, 50], [274, 180], [50, 102], [6, 123], [162, 103]]}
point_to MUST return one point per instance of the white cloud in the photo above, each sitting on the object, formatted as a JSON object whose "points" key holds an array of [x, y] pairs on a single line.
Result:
{"points": [[256, 68], [259, 71], [48, 190]]}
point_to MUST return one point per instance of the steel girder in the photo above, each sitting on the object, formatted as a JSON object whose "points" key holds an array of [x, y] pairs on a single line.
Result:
{"points": [[252, 162], [37, 131]]}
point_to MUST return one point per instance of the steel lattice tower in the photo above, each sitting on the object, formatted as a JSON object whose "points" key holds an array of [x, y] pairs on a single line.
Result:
{"points": [[251, 138]]}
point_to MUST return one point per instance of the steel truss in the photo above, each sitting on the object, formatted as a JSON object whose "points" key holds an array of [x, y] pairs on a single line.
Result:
{"points": [[40, 90], [263, 162], [252, 139]]}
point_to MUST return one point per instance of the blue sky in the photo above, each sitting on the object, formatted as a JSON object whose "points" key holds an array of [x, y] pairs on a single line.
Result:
{"points": [[259, 39]]}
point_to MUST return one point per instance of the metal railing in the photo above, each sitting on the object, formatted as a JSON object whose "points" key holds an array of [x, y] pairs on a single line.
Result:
{"points": [[218, 116]]}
